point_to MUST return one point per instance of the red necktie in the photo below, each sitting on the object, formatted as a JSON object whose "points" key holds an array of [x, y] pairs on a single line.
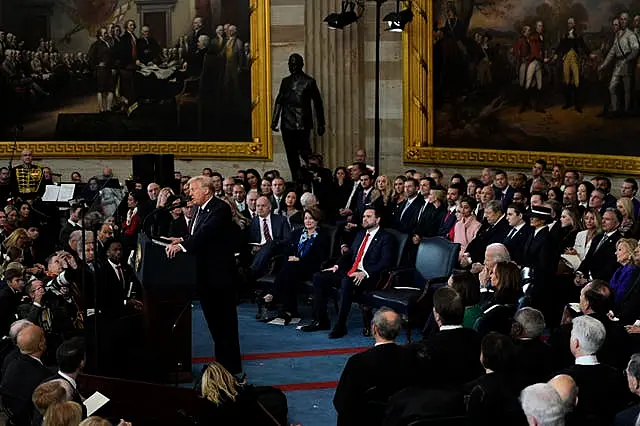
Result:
{"points": [[359, 255], [265, 229]]}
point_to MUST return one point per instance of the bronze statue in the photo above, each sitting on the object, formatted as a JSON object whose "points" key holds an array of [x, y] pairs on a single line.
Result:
{"points": [[293, 111]]}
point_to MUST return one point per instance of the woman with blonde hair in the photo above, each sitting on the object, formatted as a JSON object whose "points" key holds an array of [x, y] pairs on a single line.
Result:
{"points": [[625, 275], [382, 191], [225, 400], [67, 413], [625, 207], [592, 222]]}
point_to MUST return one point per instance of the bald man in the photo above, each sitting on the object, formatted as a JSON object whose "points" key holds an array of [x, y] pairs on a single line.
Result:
{"points": [[10, 349], [567, 389], [24, 374], [268, 234], [387, 366]]}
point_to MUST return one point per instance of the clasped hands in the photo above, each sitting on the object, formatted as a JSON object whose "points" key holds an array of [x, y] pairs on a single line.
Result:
{"points": [[173, 248]]}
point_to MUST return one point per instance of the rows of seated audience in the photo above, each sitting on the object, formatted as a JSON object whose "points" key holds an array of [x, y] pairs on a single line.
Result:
{"points": [[39, 76], [537, 322]]}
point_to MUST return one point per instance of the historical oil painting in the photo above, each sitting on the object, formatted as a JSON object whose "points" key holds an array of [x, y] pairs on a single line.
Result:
{"points": [[537, 75], [125, 70]]}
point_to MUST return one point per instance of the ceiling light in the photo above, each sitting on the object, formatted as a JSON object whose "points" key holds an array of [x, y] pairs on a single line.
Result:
{"points": [[337, 21], [397, 20]]}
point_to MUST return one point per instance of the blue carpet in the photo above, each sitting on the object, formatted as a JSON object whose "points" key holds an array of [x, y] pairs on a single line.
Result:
{"points": [[317, 372]]}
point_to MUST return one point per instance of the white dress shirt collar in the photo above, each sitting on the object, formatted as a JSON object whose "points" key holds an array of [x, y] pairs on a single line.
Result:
{"points": [[69, 379], [587, 360], [450, 327]]}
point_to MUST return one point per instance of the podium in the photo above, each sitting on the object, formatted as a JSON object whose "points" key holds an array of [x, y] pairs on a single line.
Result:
{"points": [[168, 287]]}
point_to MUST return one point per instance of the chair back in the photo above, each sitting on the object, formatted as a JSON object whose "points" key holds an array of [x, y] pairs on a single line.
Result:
{"points": [[401, 240], [436, 258]]}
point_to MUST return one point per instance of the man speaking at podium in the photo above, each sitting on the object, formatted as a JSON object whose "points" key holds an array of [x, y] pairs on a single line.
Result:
{"points": [[208, 241]]}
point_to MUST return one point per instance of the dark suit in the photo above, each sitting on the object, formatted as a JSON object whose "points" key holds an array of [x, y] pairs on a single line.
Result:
{"points": [[9, 301], [65, 233], [448, 222], [388, 368], [542, 257], [452, 358], [280, 233], [600, 262], [291, 273], [515, 244], [406, 220], [615, 350], [127, 56], [534, 361], [627, 417], [429, 222], [358, 203], [379, 256], [275, 205], [603, 392], [114, 291], [148, 50], [18, 383], [209, 243], [504, 197], [487, 234], [493, 400]]}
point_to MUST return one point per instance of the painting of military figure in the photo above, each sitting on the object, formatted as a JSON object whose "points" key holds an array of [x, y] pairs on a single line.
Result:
{"points": [[551, 75], [125, 70]]}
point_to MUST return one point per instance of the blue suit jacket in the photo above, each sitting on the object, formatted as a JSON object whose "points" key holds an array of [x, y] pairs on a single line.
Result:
{"points": [[380, 255], [280, 229]]}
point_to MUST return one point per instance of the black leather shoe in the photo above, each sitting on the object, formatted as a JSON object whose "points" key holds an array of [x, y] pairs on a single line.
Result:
{"points": [[286, 317], [366, 332], [315, 326], [337, 333]]}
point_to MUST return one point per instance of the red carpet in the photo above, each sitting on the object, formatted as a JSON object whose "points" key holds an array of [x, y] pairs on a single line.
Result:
{"points": [[294, 354]]}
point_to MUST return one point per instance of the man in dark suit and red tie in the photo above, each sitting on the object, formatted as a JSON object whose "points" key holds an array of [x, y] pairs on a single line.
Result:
{"points": [[357, 271], [208, 240]]}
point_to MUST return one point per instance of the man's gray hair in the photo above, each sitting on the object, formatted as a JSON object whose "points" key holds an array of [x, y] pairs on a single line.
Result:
{"points": [[589, 332], [17, 327], [388, 326], [494, 205], [500, 251], [531, 321], [202, 181], [204, 39], [634, 366], [76, 236], [308, 200], [542, 402]]}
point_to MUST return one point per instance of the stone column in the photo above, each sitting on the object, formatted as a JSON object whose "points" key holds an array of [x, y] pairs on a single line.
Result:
{"points": [[334, 59]]}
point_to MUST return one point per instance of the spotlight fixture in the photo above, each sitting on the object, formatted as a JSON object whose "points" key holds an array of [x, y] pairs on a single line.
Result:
{"points": [[337, 21], [397, 20]]}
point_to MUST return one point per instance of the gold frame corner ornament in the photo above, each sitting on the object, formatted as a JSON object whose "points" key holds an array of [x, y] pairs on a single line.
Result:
{"points": [[260, 147], [418, 116]]}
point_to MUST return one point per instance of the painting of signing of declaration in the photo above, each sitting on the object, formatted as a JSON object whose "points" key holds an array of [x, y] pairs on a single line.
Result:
{"points": [[541, 75], [125, 70]]}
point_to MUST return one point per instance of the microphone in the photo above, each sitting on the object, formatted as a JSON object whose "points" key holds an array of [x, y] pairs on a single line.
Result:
{"points": [[173, 202]]}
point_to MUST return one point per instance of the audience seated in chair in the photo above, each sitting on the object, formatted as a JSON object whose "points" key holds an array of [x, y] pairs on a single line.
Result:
{"points": [[370, 377]]}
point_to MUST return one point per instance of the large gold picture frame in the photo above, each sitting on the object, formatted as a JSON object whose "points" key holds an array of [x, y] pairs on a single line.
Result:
{"points": [[418, 116], [259, 148]]}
